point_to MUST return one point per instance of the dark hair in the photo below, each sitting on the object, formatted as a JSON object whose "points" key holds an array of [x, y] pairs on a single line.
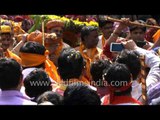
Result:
{"points": [[132, 59], [118, 75], [70, 63], [104, 22], [24, 23], [134, 27], [35, 48], [86, 30], [36, 83], [10, 73], [50, 96], [80, 94], [97, 68]]}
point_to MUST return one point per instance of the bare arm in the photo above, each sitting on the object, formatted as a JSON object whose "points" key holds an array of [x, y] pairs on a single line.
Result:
{"points": [[118, 31], [151, 60], [20, 44]]}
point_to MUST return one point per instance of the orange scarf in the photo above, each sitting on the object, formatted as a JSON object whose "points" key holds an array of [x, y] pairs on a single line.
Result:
{"points": [[84, 80], [9, 54], [50, 65], [51, 69], [90, 55], [30, 60]]}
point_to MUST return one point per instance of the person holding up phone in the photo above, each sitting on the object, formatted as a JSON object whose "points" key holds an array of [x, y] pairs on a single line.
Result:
{"points": [[137, 33], [116, 47], [114, 38]]}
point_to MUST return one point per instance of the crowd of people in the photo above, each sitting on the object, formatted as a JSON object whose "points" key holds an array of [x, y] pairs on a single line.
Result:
{"points": [[41, 67]]}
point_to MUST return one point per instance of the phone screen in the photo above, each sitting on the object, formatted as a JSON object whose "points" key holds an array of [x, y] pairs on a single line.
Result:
{"points": [[116, 47]]}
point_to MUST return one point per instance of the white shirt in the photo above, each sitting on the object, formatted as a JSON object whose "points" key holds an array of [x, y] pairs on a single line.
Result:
{"points": [[26, 72], [153, 62], [136, 90], [99, 45]]}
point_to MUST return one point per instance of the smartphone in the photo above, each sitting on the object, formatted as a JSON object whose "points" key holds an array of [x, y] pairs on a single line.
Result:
{"points": [[116, 47]]}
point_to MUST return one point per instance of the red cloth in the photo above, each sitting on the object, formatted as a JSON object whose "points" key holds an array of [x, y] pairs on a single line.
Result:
{"points": [[149, 33], [106, 51], [121, 100]]}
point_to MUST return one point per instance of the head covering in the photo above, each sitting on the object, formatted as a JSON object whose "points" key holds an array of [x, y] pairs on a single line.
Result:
{"points": [[18, 18], [54, 23], [4, 17], [32, 59], [35, 36], [5, 29]]}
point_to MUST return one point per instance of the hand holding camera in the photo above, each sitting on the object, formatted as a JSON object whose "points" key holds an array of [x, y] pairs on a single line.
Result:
{"points": [[116, 47]]}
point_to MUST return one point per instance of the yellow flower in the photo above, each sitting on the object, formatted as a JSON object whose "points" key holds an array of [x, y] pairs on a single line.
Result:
{"points": [[64, 19], [53, 17], [93, 23]]}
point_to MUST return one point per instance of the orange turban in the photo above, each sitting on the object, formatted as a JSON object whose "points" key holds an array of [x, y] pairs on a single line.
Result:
{"points": [[54, 23], [35, 36], [32, 59]]}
